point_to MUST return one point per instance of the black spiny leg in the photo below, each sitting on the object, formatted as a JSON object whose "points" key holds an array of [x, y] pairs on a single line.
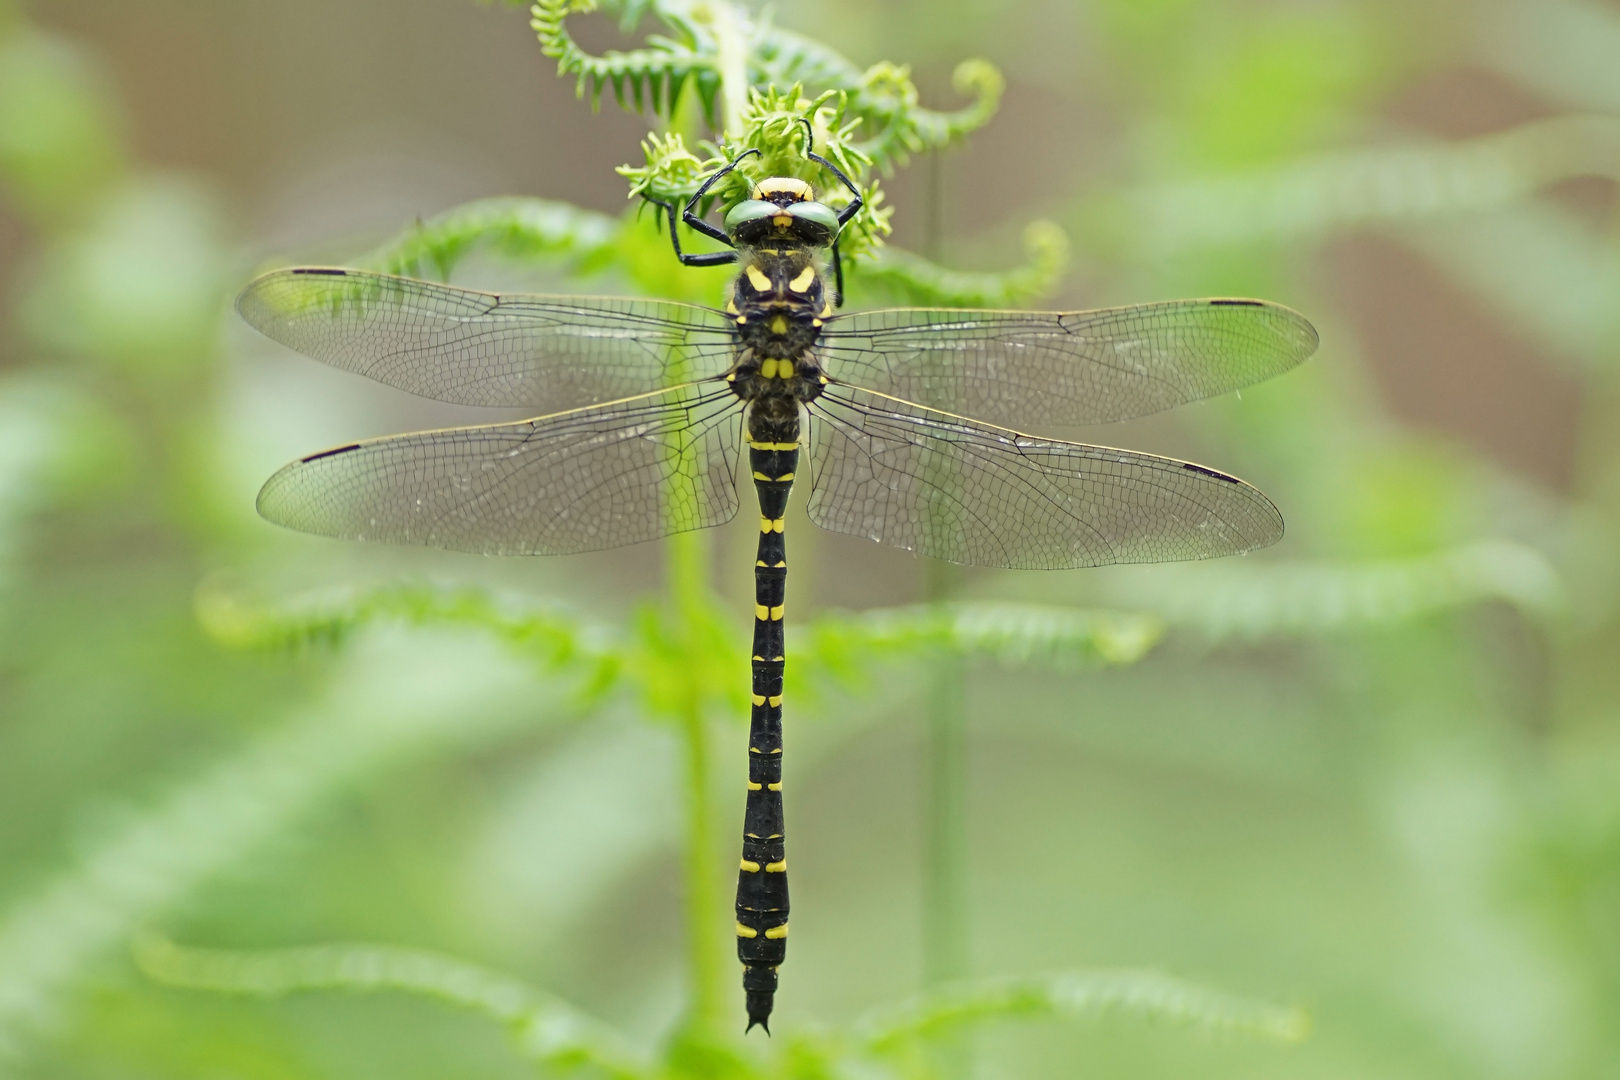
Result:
{"points": [[838, 277], [704, 258], [843, 215], [710, 258]]}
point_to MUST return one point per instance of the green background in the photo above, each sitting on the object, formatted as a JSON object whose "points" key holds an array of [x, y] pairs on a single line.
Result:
{"points": [[1373, 771]]}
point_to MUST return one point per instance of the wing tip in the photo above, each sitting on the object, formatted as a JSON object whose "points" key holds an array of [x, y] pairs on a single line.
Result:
{"points": [[258, 308], [1305, 336]]}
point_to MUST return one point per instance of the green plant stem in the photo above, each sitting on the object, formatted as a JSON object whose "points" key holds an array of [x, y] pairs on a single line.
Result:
{"points": [[687, 571], [945, 952], [945, 930], [731, 34]]}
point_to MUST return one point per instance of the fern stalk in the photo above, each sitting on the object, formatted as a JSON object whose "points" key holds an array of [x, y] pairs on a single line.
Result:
{"points": [[687, 560]]}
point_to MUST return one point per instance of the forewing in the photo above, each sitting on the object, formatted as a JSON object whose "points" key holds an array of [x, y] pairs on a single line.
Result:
{"points": [[1038, 368], [576, 481], [953, 489], [549, 353]]}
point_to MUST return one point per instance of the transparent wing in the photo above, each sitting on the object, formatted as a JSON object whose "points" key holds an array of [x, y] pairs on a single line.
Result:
{"points": [[474, 348], [1037, 368], [576, 481], [954, 489]]}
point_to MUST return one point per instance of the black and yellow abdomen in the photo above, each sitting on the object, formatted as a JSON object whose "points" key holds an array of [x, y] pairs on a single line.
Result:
{"points": [[779, 301]]}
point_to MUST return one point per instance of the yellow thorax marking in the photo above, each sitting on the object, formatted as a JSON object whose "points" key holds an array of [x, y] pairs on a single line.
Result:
{"points": [[774, 933], [779, 324], [758, 278], [745, 931], [774, 445], [802, 282]]}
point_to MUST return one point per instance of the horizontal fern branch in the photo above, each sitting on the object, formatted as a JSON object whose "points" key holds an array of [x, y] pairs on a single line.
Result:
{"points": [[1375, 185], [1014, 634], [549, 1031], [328, 619], [512, 228], [1257, 600], [908, 278], [1078, 995]]}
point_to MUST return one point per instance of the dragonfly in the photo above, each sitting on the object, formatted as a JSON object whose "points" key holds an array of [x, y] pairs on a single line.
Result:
{"points": [[908, 424]]}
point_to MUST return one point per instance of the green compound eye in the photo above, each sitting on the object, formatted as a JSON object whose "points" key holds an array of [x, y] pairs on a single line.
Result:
{"points": [[819, 213], [750, 210]]}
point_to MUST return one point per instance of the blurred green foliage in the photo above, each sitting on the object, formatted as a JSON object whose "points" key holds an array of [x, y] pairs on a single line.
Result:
{"points": [[1373, 771]]}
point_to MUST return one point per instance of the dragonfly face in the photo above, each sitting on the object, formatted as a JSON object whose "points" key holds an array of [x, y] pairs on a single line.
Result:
{"points": [[637, 435], [783, 209]]}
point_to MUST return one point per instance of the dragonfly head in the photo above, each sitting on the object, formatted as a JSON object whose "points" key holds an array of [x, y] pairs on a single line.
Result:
{"points": [[783, 191], [782, 208]]}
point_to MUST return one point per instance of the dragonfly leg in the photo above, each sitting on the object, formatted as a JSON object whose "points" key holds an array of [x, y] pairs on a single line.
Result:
{"points": [[838, 277], [809, 151], [690, 216], [704, 258]]}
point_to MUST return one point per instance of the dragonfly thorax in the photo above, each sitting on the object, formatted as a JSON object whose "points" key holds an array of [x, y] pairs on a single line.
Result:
{"points": [[779, 302]]}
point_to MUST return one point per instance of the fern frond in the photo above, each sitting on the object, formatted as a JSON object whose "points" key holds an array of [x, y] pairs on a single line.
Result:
{"points": [[653, 77], [384, 707], [551, 635], [1013, 634], [549, 1031], [882, 98], [784, 58], [887, 100], [512, 228], [1542, 268], [909, 278], [1254, 600], [1078, 995], [1379, 185], [771, 123]]}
